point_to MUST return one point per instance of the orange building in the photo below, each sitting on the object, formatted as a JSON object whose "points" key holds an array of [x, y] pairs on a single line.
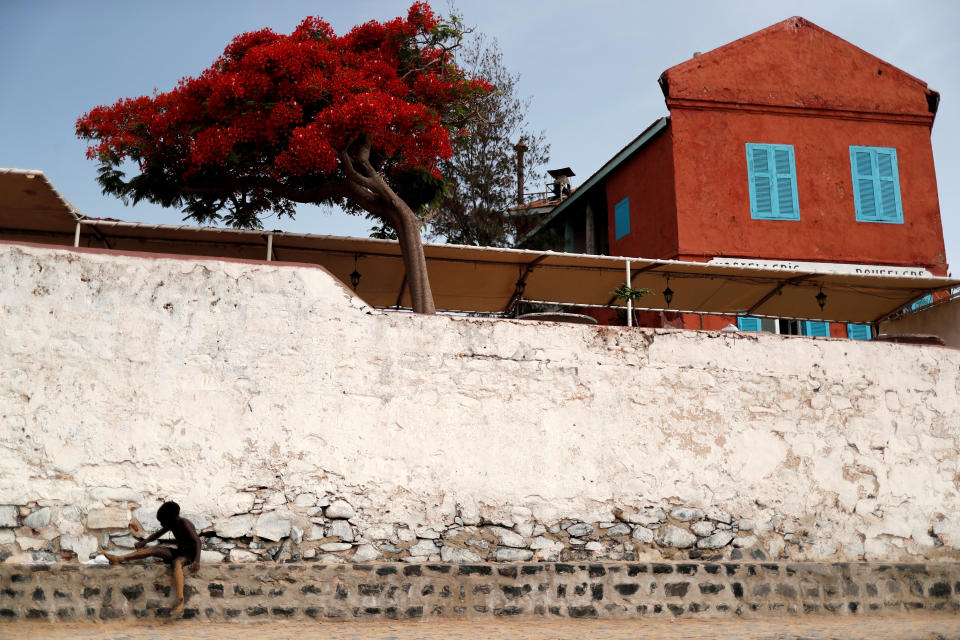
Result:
{"points": [[787, 146]]}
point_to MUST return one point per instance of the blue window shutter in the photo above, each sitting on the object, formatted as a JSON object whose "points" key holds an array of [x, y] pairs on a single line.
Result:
{"points": [[569, 237], [817, 329], [621, 216], [922, 302], [864, 194], [761, 189], [746, 323], [772, 177], [876, 184], [859, 331], [786, 181]]}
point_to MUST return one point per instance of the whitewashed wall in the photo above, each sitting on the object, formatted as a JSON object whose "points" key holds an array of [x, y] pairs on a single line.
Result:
{"points": [[242, 389]]}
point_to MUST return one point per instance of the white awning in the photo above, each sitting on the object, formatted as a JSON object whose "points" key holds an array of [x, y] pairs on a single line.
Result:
{"points": [[478, 279]]}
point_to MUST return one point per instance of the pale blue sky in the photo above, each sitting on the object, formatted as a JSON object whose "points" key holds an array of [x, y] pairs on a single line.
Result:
{"points": [[590, 67]]}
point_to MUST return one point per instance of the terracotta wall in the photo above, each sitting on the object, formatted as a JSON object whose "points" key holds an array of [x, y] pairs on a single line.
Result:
{"points": [[647, 179], [713, 201]]}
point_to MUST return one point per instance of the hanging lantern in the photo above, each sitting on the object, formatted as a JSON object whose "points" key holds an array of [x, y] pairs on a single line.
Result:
{"points": [[668, 293], [521, 286], [355, 276], [821, 298]]}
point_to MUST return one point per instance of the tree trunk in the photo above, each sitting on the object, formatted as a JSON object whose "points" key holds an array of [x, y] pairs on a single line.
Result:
{"points": [[376, 196], [411, 248]]}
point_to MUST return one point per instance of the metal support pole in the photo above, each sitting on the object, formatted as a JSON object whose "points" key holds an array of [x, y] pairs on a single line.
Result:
{"points": [[269, 247], [629, 299], [76, 236]]}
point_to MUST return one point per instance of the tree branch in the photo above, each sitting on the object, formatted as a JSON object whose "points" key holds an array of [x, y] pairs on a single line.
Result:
{"points": [[347, 162]]}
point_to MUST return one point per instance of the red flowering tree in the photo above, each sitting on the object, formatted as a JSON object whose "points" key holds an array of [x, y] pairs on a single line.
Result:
{"points": [[359, 121]]}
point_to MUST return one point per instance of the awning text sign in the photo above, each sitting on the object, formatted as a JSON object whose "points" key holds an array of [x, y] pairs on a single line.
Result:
{"points": [[825, 267]]}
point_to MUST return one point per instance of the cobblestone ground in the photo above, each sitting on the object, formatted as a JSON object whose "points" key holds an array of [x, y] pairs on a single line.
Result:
{"points": [[808, 628]]}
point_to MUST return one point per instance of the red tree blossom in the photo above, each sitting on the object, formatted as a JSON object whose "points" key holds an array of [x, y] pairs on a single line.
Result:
{"points": [[358, 120]]}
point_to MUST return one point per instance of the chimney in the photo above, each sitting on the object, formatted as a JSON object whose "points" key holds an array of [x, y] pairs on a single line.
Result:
{"points": [[521, 148], [561, 181]]}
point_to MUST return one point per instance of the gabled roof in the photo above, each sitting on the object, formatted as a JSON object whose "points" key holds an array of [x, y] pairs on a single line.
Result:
{"points": [[597, 178], [796, 64]]}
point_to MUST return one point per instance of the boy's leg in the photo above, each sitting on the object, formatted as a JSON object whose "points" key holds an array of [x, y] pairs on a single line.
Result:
{"points": [[146, 552], [178, 563]]}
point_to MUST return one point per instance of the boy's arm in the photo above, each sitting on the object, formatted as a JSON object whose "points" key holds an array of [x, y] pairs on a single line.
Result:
{"points": [[196, 543], [140, 544]]}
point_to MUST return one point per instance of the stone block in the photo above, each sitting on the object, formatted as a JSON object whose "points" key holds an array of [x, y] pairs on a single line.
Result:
{"points": [[511, 554], [108, 518], [685, 514], [716, 541], [272, 526], [340, 509], [619, 529], [200, 521], [305, 501], [9, 516], [423, 548], [366, 553], [235, 527], [38, 518], [27, 542], [341, 529], [147, 517], [458, 556], [672, 536], [507, 538], [240, 555], [580, 529], [643, 534]]}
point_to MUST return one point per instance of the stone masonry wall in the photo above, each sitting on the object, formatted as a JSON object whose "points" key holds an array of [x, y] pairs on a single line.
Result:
{"points": [[294, 423], [258, 592]]}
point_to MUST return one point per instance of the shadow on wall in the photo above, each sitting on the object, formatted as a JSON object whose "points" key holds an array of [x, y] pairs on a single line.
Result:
{"points": [[941, 320]]}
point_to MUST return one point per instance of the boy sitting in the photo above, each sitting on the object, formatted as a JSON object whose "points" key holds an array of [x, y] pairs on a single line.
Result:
{"points": [[187, 549]]}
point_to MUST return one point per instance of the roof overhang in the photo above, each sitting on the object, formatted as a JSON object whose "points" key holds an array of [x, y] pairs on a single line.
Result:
{"points": [[478, 279], [580, 194]]}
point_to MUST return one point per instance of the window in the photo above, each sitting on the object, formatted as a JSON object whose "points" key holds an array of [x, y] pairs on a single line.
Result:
{"points": [[876, 184], [569, 237], [621, 216], [859, 331], [922, 302], [780, 326], [818, 329], [773, 182]]}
